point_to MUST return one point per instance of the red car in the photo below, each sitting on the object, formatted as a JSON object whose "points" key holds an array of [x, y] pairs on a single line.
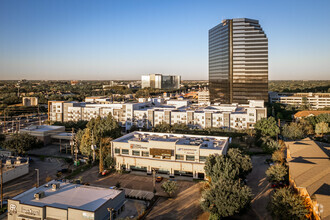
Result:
{"points": [[105, 172]]}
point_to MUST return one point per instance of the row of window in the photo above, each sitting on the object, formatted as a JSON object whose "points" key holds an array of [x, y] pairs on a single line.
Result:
{"points": [[146, 154]]}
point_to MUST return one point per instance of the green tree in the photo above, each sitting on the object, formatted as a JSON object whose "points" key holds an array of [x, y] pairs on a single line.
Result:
{"points": [[271, 145], [162, 127], [179, 127], [267, 127], [21, 143], [276, 173], [306, 126], [170, 187], [109, 161], [241, 161], [293, 131], [219, 166], [287, 205], [225, 198], [321, 128]]}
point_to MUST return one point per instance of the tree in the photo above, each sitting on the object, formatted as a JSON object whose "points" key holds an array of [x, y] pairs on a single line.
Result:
{"points": [[287, 205], [306, 126], [293, 131], [276, 173], [271, 145], [109, 161], [219, 166], [162, 127], [321, 128], [278, 156], [241, 161], [267, 127], [170, 187], [225, 198], [21, 143]]}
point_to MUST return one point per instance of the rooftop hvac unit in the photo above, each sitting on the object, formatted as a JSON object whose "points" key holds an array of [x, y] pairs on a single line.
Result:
{"points": [[55, 186], [39, 195]]}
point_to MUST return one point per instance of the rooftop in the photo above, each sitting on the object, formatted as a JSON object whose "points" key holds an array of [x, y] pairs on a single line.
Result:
{"points": [[309, 167], [42, 128], [205, 142], [69, 195]]}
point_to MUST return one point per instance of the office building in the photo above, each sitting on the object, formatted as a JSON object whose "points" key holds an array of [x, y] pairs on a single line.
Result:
{"points": [[314, 100], [171, 154], [309, 174], [60, 200], [159, 81], [238, 62], [204, 97]]}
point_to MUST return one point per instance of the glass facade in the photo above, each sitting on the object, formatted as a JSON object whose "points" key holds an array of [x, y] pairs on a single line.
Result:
{"points": [[238, 62]]}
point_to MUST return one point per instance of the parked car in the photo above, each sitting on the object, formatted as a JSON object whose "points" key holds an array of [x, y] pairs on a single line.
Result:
{"points": [[105, 172], [159, 179]]}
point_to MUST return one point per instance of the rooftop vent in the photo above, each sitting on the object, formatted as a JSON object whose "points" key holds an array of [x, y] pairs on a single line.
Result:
{"points": [[39, 195], [55, 186]]}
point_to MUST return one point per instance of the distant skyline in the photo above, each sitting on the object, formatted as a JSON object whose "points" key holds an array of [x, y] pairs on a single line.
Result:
{"points": [[113, 40]]}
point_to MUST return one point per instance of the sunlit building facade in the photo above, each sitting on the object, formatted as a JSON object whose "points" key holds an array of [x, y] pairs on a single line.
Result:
{"points": [[238, 61]]}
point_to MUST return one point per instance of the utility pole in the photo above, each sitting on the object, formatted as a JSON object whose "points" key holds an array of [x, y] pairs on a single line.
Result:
{"points": [[1, 184], [4, 123], [39, 115], [72, 142], [37, 177]]}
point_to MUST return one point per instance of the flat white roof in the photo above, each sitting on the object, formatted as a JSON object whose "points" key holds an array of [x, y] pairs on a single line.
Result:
{"points": [[42, 128], [88, 198]]}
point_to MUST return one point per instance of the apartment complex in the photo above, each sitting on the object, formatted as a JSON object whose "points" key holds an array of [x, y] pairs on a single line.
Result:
{"points": [[204, 97], [309, 173], [60, 200], [171, 154], [314, 100], [150, 113], [159, 81], [238, 61]]}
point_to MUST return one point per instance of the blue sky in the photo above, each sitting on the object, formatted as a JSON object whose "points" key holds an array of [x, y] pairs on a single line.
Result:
{"points": [[91, 39]]}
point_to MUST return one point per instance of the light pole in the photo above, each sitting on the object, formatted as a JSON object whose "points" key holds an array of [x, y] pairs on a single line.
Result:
{"points": [[154, 178], [37, 177], [110, 210]]}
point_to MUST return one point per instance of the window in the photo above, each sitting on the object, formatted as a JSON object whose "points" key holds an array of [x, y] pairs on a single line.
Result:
{"points": [[124, 151], [179, 157], [136, 153], [117, 151], [190, 158], [145, 154], [202, 158], [251, 114]]}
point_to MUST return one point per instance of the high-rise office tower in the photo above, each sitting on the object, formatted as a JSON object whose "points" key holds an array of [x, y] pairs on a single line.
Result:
{"points": [[238, 61], [159, 81]]}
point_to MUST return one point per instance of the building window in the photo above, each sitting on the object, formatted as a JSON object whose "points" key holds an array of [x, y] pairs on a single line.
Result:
{"points": [[124, 151], [145, 154], [117, 151], [190, 158], [136, 153], [179, 157], [251, 114], [202, 158]]}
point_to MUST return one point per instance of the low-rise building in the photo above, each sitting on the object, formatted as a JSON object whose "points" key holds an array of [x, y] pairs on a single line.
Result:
{"points": [[60, 200], [44, 133], [314, 100], [14, 167], [171, 154], [304, 114], [309, 173]]}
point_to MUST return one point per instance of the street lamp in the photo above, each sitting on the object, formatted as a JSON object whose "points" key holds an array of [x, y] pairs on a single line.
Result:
{"points": [[37, 177], [110, 210]]}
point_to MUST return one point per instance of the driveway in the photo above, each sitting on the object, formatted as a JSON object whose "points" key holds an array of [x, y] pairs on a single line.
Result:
{"points": [[260, 187]]}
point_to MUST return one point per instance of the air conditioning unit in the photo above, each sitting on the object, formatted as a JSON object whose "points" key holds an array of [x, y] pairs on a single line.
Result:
{"points": [[39, 195], [55, 186]]}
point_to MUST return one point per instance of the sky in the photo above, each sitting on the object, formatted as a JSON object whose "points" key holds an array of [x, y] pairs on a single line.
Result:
{"points": [[122, 39]]}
